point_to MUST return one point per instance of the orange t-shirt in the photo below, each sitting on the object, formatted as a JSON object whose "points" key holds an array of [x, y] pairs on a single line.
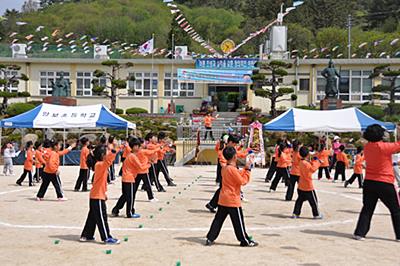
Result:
{"points": [[306, 170], [283, 160], [99, 187], [161, 152], [378, 160], [83, 158], [145, 156], [232, 181], [208, 121], [221, 158], [342, 157], [153, 147], [28, 164], [52, 159], [358, 165], [295, 164], [39, 161], [131, 167], [127, 150], [324, 157], [217, 146], [241, 153]]}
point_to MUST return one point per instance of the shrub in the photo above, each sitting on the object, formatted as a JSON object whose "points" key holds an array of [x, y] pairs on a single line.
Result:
{"points": [[395, 108], [306, 107], [136, 110], [18, 108], [373, 111], [119, 111]]}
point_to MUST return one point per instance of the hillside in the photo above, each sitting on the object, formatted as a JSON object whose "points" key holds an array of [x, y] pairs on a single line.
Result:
{"points": [[316, 24]]}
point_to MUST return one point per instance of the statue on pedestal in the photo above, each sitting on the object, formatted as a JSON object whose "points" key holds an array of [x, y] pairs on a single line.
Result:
{"points": [[61, 88], [330, 74]]}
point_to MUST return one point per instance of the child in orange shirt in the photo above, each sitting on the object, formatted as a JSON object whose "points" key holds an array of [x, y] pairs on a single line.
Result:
{"points": [[341, 164], [50, 172], [219, 147], [358, 166], [145, 156], [84, 169], [323, 156], [125, 152], [161, 164], [39, 161], [97, 205], [152, 144], [283, 161], [306, 190], [132, 165], [294, 171], [28, 164], [229, 202]]}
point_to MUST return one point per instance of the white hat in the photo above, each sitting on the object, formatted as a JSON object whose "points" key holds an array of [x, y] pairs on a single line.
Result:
{"points": [[336, 138]]}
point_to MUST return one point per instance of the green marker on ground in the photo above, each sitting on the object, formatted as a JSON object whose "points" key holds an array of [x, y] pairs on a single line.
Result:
{"points": [[151, 216], [178, 263], [160, 209], [140, 225], [108, 251], [126, 239], [167, 202], [56, 242]]}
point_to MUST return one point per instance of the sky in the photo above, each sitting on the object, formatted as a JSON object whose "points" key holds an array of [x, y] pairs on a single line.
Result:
{"points": [[10, 4]]}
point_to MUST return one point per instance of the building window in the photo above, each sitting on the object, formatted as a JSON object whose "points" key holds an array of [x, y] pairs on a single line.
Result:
{"points": [[84, 84], [304, 84], [353, 86], [182, 89], [9, 74], [47, 78], [141, 85]]}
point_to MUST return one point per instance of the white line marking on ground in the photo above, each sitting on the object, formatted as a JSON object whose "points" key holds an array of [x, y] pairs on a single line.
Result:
{"points": [[182, 229], [12, 191], [340, 194]]}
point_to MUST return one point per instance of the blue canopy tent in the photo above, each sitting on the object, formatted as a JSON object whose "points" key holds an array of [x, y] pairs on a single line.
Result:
{"points": [[344, 120]]}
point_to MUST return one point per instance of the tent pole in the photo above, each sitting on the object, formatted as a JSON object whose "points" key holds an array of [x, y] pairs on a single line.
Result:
{"points": [[127, 132], [64, 146], [1, 136]]}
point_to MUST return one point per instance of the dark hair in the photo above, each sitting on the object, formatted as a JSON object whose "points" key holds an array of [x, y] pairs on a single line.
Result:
{"points": [[134, 142], [374, 133], [37, 144], [233, 139], [99, 152], [304, 152], [229, 153], [141, 140], [84, 140], [103, 140], [28, 144], [111, 139], [279, 141], [221, 145], [322, 147], [296, 145], [282, 146], [53, 143], [46, 143], [342, 147], [359, 149], [161, 135], [149, 136]]}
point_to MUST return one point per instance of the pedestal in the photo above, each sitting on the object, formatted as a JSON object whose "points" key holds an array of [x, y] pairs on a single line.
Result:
{"points": [[60, 101], [331, 104]]}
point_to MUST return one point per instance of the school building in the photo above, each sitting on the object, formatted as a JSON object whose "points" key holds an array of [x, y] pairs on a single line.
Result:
{"points": [[213, 80]]}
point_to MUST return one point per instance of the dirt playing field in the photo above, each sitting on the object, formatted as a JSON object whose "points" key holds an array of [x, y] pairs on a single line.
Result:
{"points": [[173, 230]]}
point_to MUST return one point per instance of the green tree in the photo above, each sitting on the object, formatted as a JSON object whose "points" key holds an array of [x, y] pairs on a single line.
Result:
{"points": [[389, 84], [113, 84], [8, 80], [266, 83]]}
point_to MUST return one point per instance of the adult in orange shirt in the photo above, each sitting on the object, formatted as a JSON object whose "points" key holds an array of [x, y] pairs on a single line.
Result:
{"points": [[28, 164], [84, 171], [229, 202], [358, 172], [323, 156], [97, 215], [341, 164], [39, 161], [379, 180], [294, 171], [132, 166], [305, 189], [161, 164], [50, 172], [282, 171], [208, 120], [232, 142]]}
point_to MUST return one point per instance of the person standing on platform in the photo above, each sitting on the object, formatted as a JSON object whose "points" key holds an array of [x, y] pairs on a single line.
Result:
{"points": [[208, 120], [379, 180]]}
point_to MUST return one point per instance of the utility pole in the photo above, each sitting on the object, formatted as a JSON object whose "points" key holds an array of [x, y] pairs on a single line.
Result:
{"points": [[349, 24]]}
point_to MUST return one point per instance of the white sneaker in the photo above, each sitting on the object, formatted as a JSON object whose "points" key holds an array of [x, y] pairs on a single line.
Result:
{"points": [[245, 200], [360, 238], [154, 200], [39, 199], [62, 199]]}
